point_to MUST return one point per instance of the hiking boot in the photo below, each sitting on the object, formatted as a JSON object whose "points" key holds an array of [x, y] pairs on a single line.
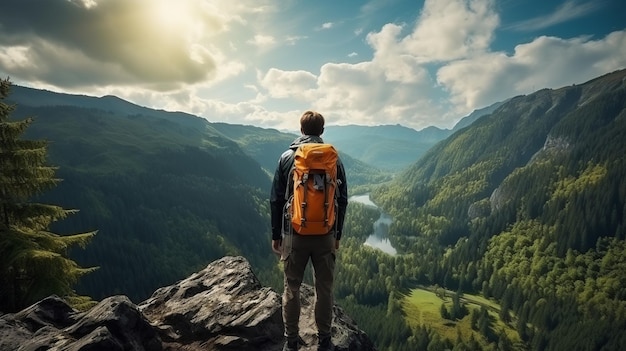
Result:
{"points": [[291, 344], [324, 344]]}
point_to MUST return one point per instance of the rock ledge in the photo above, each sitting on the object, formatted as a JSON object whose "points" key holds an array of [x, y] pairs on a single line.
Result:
{"points": [[222, 307]]}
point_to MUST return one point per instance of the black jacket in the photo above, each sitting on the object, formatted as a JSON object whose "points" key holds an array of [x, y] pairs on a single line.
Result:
{"points": [[279, 186]]}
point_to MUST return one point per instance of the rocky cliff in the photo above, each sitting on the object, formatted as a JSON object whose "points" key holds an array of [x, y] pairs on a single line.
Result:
{"points": [[222, 307]]}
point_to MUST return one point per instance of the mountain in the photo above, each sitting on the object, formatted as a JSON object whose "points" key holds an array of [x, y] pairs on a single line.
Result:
{"points": [[393, 147], [469, 119], [112, 104], [526, 207], [164, 190], [201, 312], [390, 147], [263, 145]]}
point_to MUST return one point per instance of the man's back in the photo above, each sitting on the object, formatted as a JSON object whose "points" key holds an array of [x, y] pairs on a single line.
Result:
{"points": [[297, 187]]}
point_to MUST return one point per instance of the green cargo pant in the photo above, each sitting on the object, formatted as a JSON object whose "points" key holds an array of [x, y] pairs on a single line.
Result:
{"points": [[321, 250]]}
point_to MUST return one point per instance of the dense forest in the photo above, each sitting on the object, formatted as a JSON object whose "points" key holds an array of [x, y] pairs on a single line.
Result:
{"points": [[509, 233], [161, 197], [527, 207]]}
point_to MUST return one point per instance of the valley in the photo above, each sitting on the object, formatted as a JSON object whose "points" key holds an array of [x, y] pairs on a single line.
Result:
{"points": [[519, 215]]}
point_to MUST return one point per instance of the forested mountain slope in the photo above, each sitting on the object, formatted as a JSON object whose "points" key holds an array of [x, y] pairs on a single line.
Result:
{"points": [[527, 206], [264, 145], [166, 191]]}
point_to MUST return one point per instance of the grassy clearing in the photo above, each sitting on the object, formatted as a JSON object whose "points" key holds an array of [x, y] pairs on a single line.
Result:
{"points": [[423, 307]]}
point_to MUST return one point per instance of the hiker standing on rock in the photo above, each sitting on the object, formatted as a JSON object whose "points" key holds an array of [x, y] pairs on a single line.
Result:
{"points": [[308, 202]]}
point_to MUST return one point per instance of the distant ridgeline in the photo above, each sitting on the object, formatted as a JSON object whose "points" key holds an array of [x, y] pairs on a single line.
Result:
{"points": [[393, 147]]}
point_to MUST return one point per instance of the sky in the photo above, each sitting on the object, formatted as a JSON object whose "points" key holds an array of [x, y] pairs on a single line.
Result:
{"points": [[265, 62]]}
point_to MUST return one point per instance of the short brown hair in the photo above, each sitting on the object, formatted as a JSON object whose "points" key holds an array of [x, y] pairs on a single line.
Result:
{"points": [[312, 123]]}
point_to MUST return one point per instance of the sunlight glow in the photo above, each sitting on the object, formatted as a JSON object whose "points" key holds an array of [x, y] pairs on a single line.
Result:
{"points": [[172, 15]]}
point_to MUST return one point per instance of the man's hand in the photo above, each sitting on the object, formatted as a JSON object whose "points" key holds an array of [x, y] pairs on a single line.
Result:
{"points": [[276, 246]]}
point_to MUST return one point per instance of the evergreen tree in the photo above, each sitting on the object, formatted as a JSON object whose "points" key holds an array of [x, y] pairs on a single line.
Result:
{"points": [[444, 312], [33, 260]]}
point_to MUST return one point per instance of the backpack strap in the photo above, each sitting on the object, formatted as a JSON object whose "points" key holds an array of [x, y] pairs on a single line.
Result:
{"points": [[305, 178], [327, 181], [337, 183], [289, 183]]}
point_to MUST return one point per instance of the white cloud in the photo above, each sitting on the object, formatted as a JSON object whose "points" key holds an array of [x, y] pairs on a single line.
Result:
{"points": [[15, 57], [566, 12], [147, 44], [354, 93], [262, 41], [453, 29], [397, 65], [492, 77], [284, 84], [85, 3], [349, 88], [251, 114], [454, 37], [294, 39], [395, 86], [327, 25]]}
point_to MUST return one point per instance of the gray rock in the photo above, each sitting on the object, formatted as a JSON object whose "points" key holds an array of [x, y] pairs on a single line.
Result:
{"points": [[223, 307], [113, 324], [224, 304]]}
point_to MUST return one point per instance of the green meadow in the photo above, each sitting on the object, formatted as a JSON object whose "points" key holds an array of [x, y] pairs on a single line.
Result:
{"points": [[423, 307]]}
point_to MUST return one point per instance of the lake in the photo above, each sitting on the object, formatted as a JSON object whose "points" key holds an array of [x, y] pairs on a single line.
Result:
{"points": [[379, 237]]}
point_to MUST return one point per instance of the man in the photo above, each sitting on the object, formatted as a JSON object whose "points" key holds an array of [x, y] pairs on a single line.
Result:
{"points": [[319, 248]]}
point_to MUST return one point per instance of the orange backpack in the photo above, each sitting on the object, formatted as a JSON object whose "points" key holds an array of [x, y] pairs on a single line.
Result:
{"points": [[313, 201]]}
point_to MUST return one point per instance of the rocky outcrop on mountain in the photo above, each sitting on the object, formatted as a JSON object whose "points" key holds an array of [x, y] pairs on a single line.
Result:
{"points": [[222, 307]]}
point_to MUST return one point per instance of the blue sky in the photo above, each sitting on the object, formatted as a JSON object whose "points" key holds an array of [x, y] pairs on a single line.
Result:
{"points": [[262, 62]]}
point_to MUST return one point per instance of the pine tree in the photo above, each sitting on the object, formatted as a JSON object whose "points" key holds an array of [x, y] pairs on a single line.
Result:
{"points": [[33, 260]]}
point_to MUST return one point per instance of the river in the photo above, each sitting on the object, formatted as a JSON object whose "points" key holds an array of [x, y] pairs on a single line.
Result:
{"points": [[379, 237]]}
